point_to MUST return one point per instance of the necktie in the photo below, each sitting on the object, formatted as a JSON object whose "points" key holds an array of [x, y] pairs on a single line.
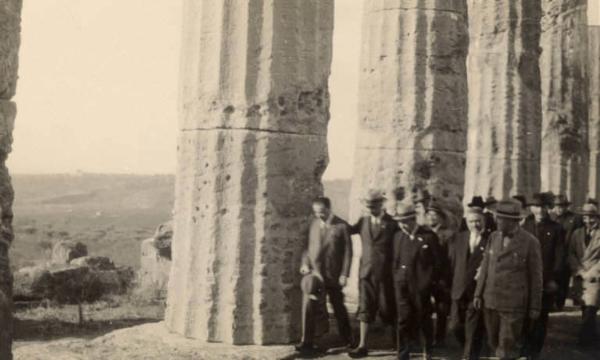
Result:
{"points": [[588, 237]]}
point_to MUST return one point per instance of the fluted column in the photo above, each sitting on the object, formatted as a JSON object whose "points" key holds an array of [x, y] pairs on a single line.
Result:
{"points": [[251, 151], [563, 66], [503, 155], [594, 109], [412, 99], [10, 35]]}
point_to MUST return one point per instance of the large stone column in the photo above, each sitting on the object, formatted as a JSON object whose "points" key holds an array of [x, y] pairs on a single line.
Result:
{"points": [[412, 99], [503, 155], [563, 66], [251, 152], [10, 34], [594, 109]]}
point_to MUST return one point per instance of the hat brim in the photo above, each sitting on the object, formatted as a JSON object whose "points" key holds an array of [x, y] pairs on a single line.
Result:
{"points": [[588, 213], [509, 216], [404, 217]]}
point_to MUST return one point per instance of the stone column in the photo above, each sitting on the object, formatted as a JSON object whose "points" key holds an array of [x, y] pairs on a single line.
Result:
{"points": [[594, 109], [563, 66], [503, 155], [412, 99], [10, 35], [252, 148]]}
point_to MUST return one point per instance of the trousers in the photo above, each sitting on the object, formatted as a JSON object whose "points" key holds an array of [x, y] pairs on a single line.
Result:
{"points": [[504, 331], [314, 313], [414, 320], [468, 327]]}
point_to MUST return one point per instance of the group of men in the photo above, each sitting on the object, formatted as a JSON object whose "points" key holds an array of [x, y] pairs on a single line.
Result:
{"points": [[497, 275]]}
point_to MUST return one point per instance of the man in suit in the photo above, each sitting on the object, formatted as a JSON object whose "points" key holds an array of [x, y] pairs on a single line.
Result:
{"points": [[325, 264], [437, 221], [584, 261], [376, 287], [466, 253], [550, 235], [570, 222], [509, 286], [488, 218], [416, 273]]}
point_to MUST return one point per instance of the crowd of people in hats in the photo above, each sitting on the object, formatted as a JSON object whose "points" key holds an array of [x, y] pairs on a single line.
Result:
{"points": [[491, 278]]}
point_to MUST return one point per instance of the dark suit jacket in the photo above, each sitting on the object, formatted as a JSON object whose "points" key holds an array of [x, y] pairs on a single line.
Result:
{"points": [[330, 256], [551, 236], [511, 278], [570, 222], [417, 261], [464, 264], [376, 257]]}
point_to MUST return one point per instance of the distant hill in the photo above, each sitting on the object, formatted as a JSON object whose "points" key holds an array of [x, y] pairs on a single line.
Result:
{"points": [[111, 214]]}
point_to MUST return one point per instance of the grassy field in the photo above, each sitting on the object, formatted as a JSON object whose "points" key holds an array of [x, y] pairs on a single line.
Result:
{"points": [[111, 214]]}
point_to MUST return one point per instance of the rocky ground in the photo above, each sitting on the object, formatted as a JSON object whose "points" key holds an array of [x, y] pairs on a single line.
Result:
{"points": [[152, 341]]}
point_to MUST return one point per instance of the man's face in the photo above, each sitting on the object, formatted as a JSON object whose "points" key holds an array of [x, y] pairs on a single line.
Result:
{"points": [[475, 222], [407, 224], [434, 218], [590, 222], [321, 211], [540, 212], [560, 209], [506, 225], [375, 208]]}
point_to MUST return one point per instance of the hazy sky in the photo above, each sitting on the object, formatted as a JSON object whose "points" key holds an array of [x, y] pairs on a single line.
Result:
{"points": [[98, 86]]}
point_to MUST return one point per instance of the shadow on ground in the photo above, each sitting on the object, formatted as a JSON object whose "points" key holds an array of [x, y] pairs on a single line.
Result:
{"points": [[47, 330], [561, 342]]}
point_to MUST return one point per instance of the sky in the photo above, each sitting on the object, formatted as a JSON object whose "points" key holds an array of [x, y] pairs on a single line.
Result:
{"points": [[97, 88]]}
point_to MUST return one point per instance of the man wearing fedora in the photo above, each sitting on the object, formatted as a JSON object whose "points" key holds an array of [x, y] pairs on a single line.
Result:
{"points": [[550, 235], [477, 202], [570, 221], [417, 272], [466, 252], [327, 259], [376, 287], [437, 220], [509, 286], [584, 261]]}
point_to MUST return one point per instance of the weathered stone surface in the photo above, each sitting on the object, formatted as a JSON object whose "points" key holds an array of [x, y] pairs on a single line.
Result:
{"points": [[251, 152], [412, 99], [10, 30], [153, 276], [412, 104], [29, 283], [65, 251], [146, 342], [594, 109], [563, 66], [94, 262], [503, 156], [10, 23]]}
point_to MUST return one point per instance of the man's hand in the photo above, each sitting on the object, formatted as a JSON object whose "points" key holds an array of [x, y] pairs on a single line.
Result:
{"points": [[534, 314], [304, 270], [477, 303], [343, 281]]}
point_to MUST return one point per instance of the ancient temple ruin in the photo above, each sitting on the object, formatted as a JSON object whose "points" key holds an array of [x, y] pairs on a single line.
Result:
{"points": [[483, 109]]}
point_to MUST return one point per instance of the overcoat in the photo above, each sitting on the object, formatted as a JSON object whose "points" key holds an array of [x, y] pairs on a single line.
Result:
{"points": [[511, 278], [585, 262], [550, 235]]}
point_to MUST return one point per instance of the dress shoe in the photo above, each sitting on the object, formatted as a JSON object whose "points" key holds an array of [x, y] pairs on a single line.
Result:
{"points": [[359, 352]]}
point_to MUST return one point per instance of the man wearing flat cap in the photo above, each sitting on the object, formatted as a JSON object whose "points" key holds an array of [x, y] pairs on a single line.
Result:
{"points": [[584, 261], [550, 235], [466, 252], [509, 286], [326, 267], [416, 274], [375, 284], [570, 221], [437, 220]]}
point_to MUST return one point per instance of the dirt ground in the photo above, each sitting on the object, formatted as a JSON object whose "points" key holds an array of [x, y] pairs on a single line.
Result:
{"points": [[38, 332]]}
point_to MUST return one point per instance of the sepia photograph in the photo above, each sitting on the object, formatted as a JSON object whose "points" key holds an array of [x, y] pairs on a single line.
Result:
{"points": [[299, 179]]}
